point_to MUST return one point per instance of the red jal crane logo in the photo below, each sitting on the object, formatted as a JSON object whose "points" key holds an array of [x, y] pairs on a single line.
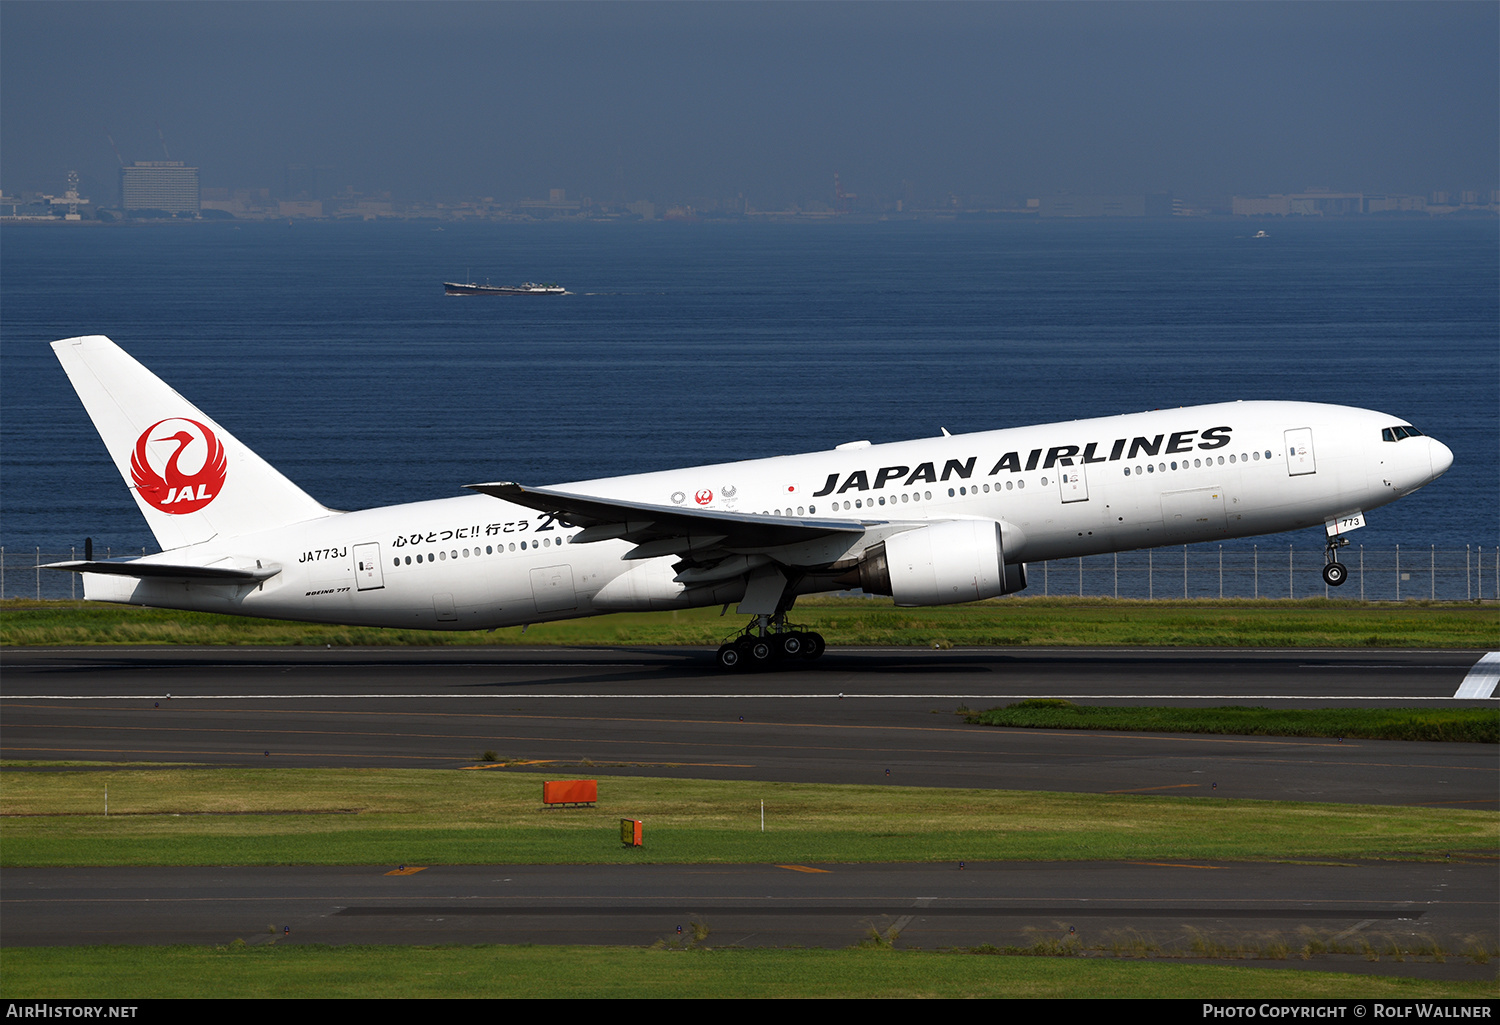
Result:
{"points": [[175, 490]]}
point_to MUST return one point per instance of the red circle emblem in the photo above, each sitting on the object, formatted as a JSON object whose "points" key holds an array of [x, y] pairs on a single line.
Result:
{"points": [[704, 497], [180, 479]]}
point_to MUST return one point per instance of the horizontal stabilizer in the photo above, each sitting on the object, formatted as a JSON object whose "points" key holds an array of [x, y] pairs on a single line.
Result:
{"points": [[141, 568]]}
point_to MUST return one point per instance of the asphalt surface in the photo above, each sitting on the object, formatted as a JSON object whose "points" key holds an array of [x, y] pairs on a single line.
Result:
{"points": [[1240, 910], [859, 715]]}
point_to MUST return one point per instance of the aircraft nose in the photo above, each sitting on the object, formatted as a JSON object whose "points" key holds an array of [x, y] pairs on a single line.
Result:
{"points": [[1442, 457]]}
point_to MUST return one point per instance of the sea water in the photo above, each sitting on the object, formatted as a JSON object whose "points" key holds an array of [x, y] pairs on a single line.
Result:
{"points": [[331, 349]]}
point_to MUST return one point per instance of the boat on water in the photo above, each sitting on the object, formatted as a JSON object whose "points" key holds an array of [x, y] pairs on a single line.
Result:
{"points": [[528, 288]]}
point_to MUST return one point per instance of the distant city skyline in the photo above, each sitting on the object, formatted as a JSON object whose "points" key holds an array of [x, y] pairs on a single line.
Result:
{"points": [[757, 104]]}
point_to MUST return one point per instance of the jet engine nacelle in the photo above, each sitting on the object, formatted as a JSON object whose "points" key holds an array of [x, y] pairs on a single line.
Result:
{"points": [[941, 564]]}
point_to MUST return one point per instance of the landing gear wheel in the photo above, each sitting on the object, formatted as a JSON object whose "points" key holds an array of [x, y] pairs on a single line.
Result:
{"points": [[813, 646], [729, 657], [1335, 573], [760, 651], [791, 645]]}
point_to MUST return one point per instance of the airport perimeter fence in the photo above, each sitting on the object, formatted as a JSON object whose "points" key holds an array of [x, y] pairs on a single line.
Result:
{"points": [[1183, 571]]}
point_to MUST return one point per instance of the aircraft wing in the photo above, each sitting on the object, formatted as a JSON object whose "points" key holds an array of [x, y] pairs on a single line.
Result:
{"points": [[668, 530]]}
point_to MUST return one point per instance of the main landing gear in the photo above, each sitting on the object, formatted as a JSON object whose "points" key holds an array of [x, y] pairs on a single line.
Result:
{"points": [[767, 640], [1335, 572]]}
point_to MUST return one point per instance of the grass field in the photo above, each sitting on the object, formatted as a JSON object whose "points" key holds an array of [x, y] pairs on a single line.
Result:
{"points": [[1005, 621], [235, 816], [1469, 725], [125, 973]]}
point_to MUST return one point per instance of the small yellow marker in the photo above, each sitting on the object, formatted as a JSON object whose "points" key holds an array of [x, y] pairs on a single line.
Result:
{"points": [[407, 870]]}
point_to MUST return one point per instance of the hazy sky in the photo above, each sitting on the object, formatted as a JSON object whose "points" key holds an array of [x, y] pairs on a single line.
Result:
{"points": [[624, 101]]}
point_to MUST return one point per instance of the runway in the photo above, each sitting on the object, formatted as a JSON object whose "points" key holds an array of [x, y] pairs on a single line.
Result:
{"points": [[859, 715]]}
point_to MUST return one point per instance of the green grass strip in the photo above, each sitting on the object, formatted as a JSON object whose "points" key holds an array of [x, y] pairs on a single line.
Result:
{"points": [[1006, 621], [234, 816], [289, 970], [1469, 725]]}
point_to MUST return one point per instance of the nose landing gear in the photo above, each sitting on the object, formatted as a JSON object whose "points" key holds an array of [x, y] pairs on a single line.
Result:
{"points": [[1334, 572]]}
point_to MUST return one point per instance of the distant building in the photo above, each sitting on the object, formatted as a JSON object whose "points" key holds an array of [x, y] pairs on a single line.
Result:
{"points": [[1070, 205], [1312, 203], [290, 208], [165, 185]]}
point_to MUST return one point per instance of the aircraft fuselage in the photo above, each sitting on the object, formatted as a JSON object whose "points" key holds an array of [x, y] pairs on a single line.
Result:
{"points": [[1084, 487]]}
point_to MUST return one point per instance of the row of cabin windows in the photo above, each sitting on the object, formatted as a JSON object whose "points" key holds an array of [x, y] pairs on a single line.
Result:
{"points": [[1163, 467], [861, 503], [499, 549], [1010, 485], [903, 498]]}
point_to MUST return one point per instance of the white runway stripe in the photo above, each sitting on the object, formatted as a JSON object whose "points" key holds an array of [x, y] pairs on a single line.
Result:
{"points": [[849, 695], [1481, 681]]}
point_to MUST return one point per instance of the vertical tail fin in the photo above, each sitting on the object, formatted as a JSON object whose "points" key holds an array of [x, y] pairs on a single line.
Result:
{"points": [[192, 479]]}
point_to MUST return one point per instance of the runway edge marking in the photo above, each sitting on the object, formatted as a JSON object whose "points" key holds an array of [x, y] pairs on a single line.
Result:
{"points": [[1482, 679]]}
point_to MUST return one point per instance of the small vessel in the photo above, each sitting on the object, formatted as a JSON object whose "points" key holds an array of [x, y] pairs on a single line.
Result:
{"points": [[528, 288], [1260, 234]]}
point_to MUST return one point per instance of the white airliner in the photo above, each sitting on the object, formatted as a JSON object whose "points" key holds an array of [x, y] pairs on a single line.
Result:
{"points": [[930, 522]]}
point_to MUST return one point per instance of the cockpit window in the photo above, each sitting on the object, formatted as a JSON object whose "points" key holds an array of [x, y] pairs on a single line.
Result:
{"points": [[1398, 433]]}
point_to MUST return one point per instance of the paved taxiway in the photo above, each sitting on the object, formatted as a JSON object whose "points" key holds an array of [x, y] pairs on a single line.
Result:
{"points": [[862, 715], [1176, 907]]}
